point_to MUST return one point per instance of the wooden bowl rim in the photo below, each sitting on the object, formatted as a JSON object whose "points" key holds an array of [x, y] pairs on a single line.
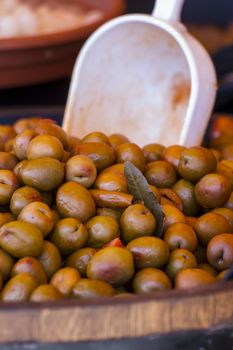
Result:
{"points": [[165, 313], [53, 39]]}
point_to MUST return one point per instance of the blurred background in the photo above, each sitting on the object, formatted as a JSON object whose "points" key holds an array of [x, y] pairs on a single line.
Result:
{"points": [[211, 21]]}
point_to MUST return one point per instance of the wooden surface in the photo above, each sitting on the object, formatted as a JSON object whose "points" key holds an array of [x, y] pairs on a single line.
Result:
{"points": [[116, 318]]}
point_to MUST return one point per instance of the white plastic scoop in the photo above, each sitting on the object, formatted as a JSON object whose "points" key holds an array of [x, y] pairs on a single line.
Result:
{"points": [[145, 77]]}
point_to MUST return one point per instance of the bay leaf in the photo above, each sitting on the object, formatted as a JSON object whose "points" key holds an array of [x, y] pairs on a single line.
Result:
{"points": [[139, 188]]}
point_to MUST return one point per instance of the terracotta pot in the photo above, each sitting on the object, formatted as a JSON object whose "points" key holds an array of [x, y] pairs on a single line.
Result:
{"points": [[36, 59]]}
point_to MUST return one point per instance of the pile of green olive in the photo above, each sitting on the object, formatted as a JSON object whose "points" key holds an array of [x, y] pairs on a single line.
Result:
{"points": [[69, 228]]}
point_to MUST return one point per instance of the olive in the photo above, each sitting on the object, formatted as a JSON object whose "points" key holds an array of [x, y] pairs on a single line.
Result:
{"points": [[50, 258], [136, 221], [8, 184], [111, 181], [191, 220], [216, 153], [6, 264], [86, 288], [160, 174], [172, 215], [172, 155], [111, 199], [23, 196], [168, 196], [25, 123], [102, 154], [18, 169], [65, 279], [209, 225], [19, 288], [190, 278], [153, 152], [130, 152], [213, 190], [8, 147], [20, 239], [72, 141], [225, 168], [45, 146], [82, 170], [220, 251], [44, 174], [69, 235], [113, 213], [181, 235], [209, 268], [180, 259], [80, 259], [115, 168], [101, 230], [74, 200], [150, 280], [31, 266], [149, 252], [113, 265], [40, 215], [45, 292], [96, 136], [185, 190], [227, 214], [116, 139], [7, 132], [45, 127], [5, 218], [229, 203], [21, 143], [195, 162], [7, 161]]}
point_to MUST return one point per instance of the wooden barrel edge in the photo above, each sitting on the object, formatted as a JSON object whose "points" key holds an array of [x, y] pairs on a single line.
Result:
{"points": [[116, 318]]}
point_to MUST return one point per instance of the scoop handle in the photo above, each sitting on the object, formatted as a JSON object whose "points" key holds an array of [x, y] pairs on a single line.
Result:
{"points": [[169, 10]]}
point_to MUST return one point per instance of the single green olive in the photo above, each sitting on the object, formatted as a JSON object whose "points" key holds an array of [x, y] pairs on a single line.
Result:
{"points": [[69, 235], [91, 288], [113, 265], [19, 288], [20, 239]]}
